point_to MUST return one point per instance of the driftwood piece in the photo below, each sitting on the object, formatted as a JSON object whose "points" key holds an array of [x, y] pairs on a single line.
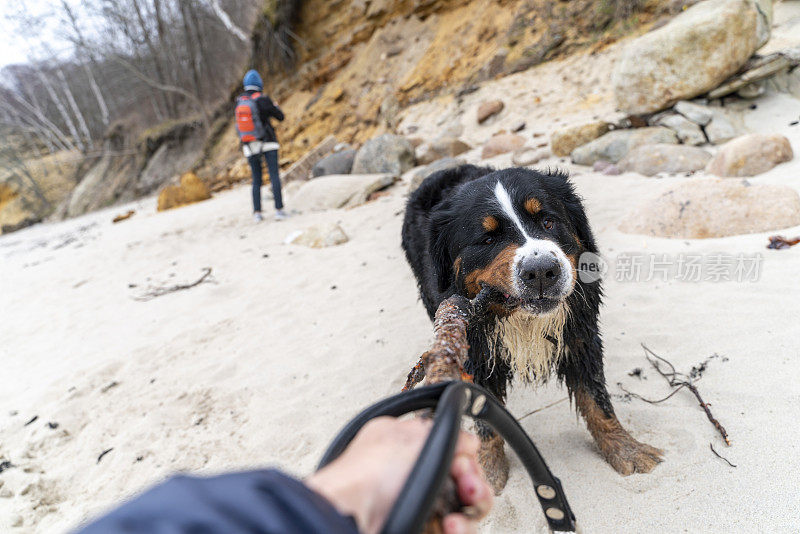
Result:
{"points": [[757, 69], [679, 381], [157, 291], [778, 242], [445, 360]]}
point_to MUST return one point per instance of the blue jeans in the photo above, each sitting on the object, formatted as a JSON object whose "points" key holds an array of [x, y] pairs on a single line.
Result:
{"points": [[272, 165]]}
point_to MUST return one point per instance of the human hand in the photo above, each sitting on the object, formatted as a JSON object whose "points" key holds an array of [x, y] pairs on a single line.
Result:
{"points": [[366, 479]]}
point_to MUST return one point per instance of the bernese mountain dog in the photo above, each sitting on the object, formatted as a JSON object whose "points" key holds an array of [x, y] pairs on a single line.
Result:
{"points": [[519, 232]]}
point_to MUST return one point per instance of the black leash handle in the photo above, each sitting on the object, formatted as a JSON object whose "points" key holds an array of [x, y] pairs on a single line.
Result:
{"points": [[452, 400]]}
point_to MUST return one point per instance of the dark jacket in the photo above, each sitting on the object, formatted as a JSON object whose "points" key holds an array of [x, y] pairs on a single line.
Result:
{"points": [[267, 110], [253, 502]]}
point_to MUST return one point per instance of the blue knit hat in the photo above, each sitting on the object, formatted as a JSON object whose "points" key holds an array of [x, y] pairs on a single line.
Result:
{"points": [[252, 81]]}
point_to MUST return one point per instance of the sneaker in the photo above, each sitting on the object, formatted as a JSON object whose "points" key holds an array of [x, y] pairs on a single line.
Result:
{"points": [[280, 215], [257, 217]]}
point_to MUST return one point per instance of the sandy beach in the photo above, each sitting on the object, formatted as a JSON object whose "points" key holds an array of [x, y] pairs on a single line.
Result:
{"points": [[103, 394]]}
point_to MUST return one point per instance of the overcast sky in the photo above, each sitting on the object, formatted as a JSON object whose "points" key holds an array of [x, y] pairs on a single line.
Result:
{"points": [[14, 48]]}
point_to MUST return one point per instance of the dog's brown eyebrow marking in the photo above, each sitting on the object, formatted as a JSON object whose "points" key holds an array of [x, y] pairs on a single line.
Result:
{"points": [[490, 224], [532, 205]]}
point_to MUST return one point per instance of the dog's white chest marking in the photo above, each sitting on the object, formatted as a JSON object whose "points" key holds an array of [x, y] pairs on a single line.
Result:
{"points": [[531, 344]]}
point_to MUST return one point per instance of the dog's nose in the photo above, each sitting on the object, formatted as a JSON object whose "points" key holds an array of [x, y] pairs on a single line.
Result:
{"points": [[540, 272]]}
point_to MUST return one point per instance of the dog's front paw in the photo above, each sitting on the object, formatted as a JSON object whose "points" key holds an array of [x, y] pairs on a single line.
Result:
{"points": [[492, 458], [628, 456]]}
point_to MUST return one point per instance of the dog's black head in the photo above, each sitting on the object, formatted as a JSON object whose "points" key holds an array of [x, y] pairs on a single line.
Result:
{"points": [[517, 231]]}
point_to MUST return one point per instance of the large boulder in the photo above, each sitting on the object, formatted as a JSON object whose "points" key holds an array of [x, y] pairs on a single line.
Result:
{"points": [[500, 144], [386, 153], [704, 208], [689, 56], [565, 140], [191, 189], [339, 191], [615, 145], [436, 166], [442, 147], [650, 160], [336, 163], [750, 155], [318, 236]]}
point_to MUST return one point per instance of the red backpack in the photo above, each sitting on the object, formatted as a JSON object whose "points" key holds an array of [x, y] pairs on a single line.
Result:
{"points": [[248, 121]]}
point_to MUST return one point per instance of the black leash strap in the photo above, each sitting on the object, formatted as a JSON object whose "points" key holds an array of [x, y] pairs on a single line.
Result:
{"points": [[453, 400]]}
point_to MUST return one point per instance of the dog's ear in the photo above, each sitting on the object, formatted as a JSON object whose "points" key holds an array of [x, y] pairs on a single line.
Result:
{"points": [[439, 248]]}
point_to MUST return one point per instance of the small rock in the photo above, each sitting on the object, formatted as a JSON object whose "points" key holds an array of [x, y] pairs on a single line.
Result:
{"points": [[489, 109], [387, 153], [712, 207], [443, 147], [336, 163], [613, 146], [696, 113], [688, 132], [525, 156], [750, 91], [650, 160], [339, 191], [750, 155], [319, 236], [6, 494], [564, 141], [500, 144], [720, 129], [439, 165]]}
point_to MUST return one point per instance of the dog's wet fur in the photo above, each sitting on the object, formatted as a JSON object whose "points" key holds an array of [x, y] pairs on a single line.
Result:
{"points": [[520, 232]]}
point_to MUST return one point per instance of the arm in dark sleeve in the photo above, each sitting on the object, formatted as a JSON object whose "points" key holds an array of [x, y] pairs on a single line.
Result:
{"points": [[263, 502], [267, 108]]}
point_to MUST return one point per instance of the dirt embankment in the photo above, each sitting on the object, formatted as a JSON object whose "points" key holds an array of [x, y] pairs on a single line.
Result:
{"points": [[360, 60]]}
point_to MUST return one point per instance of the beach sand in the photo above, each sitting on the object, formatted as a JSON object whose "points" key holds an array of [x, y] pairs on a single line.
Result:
{"points": [[264, 365]]}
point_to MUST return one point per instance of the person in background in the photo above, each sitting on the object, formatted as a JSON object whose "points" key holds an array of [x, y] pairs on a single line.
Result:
{"points": [[254, 110], [351, 495]]}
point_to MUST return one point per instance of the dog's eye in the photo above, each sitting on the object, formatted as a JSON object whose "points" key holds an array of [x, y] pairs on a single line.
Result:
{"points": [[488, 240], [548, 223]]}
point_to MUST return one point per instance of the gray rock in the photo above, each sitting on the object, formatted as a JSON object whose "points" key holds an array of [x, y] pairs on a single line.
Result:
{"points": [[339, 191], [692, 54], [336, 163], [613, 146], [696, 113], [703, 208], [387, 153], [750, 155], [439, 165], [650, 160], [318, 236], [720, 129], [687, 131]]}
